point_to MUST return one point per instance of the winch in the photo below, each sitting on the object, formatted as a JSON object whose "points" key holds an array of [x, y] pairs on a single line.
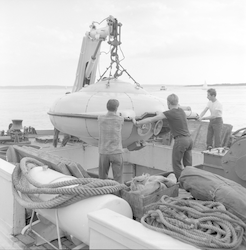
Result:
{"points": [[228, 162], [234, 162]]}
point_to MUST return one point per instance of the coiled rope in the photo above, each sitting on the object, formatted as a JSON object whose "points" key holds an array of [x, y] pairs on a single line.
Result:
{"points": [[66, 192], [204, 224]]}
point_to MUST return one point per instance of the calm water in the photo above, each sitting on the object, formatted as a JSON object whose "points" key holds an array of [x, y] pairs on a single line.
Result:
{"points": [[32, 105]]}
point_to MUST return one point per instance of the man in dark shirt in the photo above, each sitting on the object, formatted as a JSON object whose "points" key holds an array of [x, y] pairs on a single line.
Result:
{"points": [[177, 121]]}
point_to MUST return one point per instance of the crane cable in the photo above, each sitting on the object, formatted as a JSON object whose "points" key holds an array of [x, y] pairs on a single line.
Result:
{"points": [[66, 195], [205, 224]]}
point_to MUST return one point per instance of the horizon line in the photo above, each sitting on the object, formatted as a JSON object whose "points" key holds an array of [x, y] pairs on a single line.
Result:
{"points": [[66, 86]]}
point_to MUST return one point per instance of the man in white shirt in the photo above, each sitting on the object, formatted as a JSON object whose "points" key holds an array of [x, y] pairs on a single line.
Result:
{"points": [[215, 119]]}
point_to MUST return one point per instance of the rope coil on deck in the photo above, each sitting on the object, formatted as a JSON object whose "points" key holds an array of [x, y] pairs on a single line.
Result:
{"points": [[68, 192], [204, 224]]}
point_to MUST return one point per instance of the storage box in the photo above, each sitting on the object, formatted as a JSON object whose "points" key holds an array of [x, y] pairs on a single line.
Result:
{"points": [[140, 203], [213, 161]]}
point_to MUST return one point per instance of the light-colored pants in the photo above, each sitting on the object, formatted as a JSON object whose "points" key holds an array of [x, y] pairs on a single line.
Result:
{"points": [[214, 132], [116, 161], [181, 154]]}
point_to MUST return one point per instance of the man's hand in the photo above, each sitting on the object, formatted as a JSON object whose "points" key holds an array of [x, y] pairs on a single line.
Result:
{"points": [[135, 122]]}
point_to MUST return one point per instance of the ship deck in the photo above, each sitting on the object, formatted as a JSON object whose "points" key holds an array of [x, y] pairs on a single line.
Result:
{"points": [[27, 241]]}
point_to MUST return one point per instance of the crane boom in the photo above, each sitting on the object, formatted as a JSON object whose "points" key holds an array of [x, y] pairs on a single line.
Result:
{"points": [[90, 51]]}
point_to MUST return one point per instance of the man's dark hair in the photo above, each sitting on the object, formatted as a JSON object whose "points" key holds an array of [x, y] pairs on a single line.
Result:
{"points": [[173, 99], [112, 105], [212, 92]]}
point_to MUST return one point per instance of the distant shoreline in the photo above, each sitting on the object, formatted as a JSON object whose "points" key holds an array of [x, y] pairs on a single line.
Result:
{"points": [[36, 87], [199, 85], [219, 84], [149, 85]]}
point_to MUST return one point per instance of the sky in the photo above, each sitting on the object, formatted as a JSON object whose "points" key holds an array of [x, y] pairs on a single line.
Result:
{"points": [[168, 42]]}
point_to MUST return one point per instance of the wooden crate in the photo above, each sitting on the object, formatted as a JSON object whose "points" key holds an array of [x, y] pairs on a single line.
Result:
{"points": [[140, 203]]}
